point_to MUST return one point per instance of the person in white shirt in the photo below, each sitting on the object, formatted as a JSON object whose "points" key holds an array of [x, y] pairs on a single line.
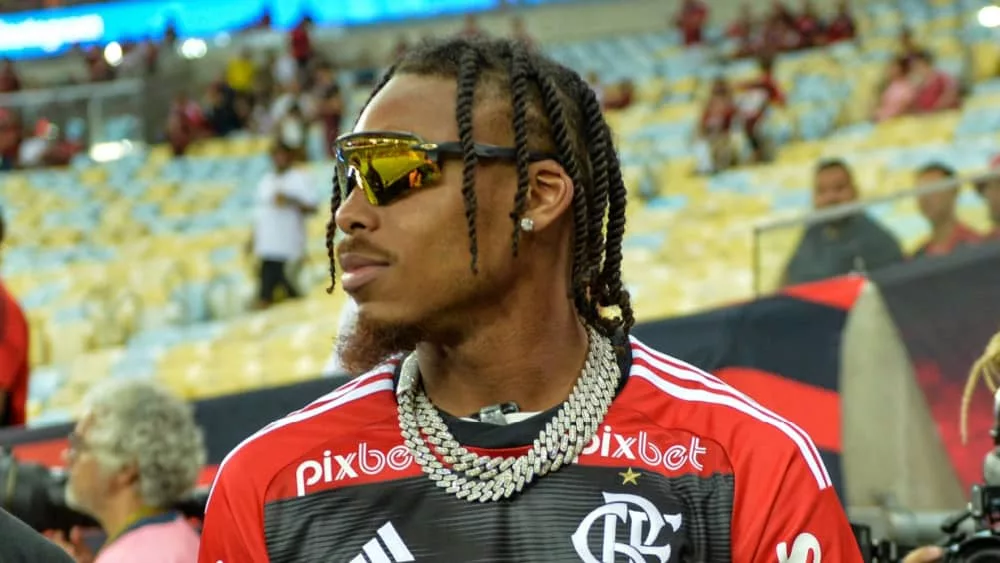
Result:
{"points": [[285, 199]]}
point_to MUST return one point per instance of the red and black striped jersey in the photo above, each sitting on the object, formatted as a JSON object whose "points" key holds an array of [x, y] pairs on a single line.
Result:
{"points": [[683, 468]]}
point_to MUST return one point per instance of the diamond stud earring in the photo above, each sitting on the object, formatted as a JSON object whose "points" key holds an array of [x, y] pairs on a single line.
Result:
{"points": [[527, 224]]}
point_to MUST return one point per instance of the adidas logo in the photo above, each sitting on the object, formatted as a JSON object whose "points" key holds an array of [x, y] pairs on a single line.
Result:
{"points": [[390, 549]]}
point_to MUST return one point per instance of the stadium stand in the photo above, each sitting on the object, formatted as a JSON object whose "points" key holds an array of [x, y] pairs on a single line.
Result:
{"points": [[136, 267]]}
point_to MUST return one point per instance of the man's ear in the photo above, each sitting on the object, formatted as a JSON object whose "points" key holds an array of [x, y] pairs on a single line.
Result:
{"points": [[551, 193]]}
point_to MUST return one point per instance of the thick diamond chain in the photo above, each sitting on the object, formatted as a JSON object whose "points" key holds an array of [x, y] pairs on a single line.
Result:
{"points": [[475, 477]]}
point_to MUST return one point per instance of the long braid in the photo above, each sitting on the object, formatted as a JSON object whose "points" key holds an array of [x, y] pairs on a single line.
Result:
{"points": [[610, 289], [519, 91], [598, 153], [467, 74], [331, 225], [557, 116]]}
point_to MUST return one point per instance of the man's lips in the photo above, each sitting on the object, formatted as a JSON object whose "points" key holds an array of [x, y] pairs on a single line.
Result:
{"points": [[359, 270]]}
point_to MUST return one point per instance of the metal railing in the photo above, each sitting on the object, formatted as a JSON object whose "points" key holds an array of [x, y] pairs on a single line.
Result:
{"points": [[133, 109], [807, 219]]}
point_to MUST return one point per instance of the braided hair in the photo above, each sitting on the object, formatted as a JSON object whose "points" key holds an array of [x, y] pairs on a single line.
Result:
{"points": [[986, 368], [554, 111]]}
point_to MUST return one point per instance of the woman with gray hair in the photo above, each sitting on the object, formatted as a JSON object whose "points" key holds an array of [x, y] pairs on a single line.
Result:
{"points": [[135, 452]]}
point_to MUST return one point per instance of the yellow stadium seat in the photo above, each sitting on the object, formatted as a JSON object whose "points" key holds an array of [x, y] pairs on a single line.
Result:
{"points": [[985, 60]]}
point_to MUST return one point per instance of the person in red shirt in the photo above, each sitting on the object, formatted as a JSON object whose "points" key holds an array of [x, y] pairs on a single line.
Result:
{"points": [[935, 89], [716, 123], [755, 99], [809, 25], [990, 190], [505, 412], [842, 26], [947, 231], [300, 43], [13, 355], [690, 20]]}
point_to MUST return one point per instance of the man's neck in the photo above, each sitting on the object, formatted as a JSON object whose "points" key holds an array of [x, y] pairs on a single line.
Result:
{"points": [[944, 230], [120, 513], [529, 351]]}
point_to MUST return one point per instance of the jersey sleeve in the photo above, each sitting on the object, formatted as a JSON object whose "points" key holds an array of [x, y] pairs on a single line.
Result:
{"points": [[790, 514], [233, 531]]}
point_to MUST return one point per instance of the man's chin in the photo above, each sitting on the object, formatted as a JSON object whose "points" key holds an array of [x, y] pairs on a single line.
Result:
{"points": [[372, 340]]}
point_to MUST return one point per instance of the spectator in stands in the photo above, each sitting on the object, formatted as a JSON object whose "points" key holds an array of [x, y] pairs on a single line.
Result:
{"points": [[780, 32], [20, 544], [935, 89], [9, 80], [220, 110], [947, 231], [48, 146], [898, 92], [300, 43], [14, 349], [809, 26], [291, 95], [690, 21], [241, 72], [185, 123], [329, 104], [990, 190], [849, 244], [842, 26], [292, 131], [284, 200], [755, 99], [134, 454], [716, 123]]}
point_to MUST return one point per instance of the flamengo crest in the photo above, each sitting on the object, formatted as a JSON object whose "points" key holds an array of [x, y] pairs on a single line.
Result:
{"points": [[639, 516]]}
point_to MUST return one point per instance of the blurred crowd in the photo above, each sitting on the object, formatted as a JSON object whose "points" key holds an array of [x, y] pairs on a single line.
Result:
{"points": [[913, 84]]}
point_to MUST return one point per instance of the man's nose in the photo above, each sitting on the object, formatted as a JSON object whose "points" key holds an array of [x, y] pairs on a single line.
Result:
{"points": [[357, 213]]}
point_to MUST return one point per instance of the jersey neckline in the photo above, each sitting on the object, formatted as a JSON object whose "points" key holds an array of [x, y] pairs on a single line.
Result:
{"points": [[475, 434]]}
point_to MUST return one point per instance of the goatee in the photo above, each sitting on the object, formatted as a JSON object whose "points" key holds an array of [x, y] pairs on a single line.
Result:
{"points": [[368, 343]]}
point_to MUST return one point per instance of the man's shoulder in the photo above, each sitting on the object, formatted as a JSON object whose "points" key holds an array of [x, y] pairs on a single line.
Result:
{"points": [[677, 394], [338, 414]]}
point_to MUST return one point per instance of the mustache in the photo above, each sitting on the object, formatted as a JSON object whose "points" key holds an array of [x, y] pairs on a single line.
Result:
{"points": [[355, 245]]}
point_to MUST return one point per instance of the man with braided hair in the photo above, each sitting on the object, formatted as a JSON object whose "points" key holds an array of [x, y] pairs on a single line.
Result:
{"points": [[504, 412]]}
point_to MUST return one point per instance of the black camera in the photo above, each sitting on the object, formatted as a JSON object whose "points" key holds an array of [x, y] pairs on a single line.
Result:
{"points": [[982, 545], [36, 495]]}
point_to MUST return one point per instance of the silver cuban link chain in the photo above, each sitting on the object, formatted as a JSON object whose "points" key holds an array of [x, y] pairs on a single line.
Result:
{"points": [[483, 478]]}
